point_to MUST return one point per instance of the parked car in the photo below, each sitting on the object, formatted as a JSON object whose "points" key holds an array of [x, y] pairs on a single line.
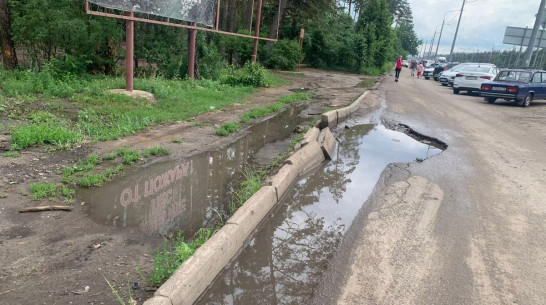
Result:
{"points": [[519, 85], [427, 73], [405, 63], [448, 76], [441, 68], [471, 77]]}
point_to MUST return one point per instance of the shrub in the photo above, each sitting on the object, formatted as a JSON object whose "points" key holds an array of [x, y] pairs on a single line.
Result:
{"points": [[284, 55], [252, 74]]}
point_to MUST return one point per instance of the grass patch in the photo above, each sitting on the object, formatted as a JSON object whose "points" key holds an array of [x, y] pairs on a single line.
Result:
{"points": [[366, 83], [88, 111], [98, 179], [227, 128], [51, 191], [110, 156], [248, 187], [43, 133], [261, 112], [69, 173], [42, 190], [11, 154], [176, 140], [129, 156], [154, 151], [172, 254]]}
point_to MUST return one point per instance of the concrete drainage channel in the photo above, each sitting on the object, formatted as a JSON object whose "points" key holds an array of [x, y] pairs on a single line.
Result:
{"points": [[198, 272]]}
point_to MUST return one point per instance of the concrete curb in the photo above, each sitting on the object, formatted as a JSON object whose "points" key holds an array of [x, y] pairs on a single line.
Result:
{"points": [[332, 118], [195, 275], [327, 143]]}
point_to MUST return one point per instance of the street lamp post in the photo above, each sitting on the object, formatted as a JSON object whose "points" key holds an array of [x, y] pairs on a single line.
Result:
{"points": [[456, 31], [441, 30]]}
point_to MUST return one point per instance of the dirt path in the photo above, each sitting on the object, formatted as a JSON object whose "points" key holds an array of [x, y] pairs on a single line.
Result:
{"points": [[464, 227], [64, 257]]}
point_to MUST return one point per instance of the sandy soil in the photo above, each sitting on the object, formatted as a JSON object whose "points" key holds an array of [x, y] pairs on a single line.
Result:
{"points": [[62, 257]]}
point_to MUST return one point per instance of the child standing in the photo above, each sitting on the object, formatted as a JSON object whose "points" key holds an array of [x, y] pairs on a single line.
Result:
{"points": [[420, 69]]}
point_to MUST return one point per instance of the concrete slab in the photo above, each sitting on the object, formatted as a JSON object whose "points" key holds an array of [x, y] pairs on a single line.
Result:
{"points": [[311, 135], [306, 158], [284, 179], [158, 300], [327, 143], [328, 119]]}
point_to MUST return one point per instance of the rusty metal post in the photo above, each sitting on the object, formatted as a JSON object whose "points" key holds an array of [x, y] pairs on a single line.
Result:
{"points": [[130, 48], [191, 52], [257, 31], [217, 14]]}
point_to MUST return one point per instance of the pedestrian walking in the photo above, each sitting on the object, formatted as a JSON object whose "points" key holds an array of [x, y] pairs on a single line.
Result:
{"points": [[413, 65], [398, 67], [420, 69]]}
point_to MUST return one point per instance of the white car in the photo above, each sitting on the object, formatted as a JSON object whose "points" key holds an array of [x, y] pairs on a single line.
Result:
{"points": [[447, 77], [471, 77]]}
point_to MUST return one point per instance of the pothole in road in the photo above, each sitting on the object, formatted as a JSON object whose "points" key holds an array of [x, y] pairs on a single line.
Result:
{"points": [[283, 262], [184, 195]]}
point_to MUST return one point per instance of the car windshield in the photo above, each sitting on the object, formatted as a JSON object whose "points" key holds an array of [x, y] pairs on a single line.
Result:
{"points": [[457, 68], [516, 76], [483, 69]]}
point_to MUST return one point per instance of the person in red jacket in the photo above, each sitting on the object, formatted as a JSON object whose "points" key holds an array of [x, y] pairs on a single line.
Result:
{"points": [[398, 67]]}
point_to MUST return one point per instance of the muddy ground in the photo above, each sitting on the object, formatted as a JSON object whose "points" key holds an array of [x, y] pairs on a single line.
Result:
{"points": [[59, 257]]}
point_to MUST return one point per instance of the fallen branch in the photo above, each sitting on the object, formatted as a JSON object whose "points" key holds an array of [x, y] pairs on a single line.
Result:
{"points": [[7, 291], [46, 208]]}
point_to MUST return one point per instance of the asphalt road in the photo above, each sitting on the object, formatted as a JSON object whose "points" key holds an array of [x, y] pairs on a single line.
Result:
{"points": [[464, 227]]}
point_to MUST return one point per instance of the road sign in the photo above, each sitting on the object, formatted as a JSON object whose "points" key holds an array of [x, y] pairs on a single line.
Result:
{"points": [[521, 36], [200, 11]]}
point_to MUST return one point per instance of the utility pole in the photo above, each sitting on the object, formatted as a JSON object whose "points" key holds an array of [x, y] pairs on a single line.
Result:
{"points": [[531, 46], [457, 31]]}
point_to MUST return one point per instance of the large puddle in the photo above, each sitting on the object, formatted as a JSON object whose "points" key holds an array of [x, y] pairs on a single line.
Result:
{"points": [[183, 195], [284, 260]]}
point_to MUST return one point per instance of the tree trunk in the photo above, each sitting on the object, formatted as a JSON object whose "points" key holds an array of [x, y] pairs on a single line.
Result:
{"points": [[9, 57], [232, 15], [224, 20], [276, 22], [248, 14]]}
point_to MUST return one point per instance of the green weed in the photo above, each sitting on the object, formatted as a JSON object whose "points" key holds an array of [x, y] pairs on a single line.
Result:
{"points": [[129, 156], [110, 156], [119, 299], [172, 254], [176, 140], [277, 106], [11, 154], [156, 150], [42, 190], [227, 128]]}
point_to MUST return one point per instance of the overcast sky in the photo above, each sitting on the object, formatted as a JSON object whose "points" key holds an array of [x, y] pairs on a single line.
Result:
{"points": [[482, 25]]}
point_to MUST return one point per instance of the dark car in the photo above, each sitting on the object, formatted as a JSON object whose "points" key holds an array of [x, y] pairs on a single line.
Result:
{"points": [[519, 85], [441, 68]]}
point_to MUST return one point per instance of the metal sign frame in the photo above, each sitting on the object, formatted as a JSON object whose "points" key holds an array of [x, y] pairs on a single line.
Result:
{"points": [[130, 19]]}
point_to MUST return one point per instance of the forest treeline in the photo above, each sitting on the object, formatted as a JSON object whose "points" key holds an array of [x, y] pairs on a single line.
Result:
{"points": [[362, 36]]}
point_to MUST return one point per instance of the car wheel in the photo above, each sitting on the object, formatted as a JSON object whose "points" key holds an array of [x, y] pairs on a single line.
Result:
{"points": [[491, 100], [443, 84], [427, 77], [456, 91], [527, 100]]}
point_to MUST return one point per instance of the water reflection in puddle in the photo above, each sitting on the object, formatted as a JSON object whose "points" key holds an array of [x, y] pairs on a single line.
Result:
{"points": [[285, 259], [183, 194]]}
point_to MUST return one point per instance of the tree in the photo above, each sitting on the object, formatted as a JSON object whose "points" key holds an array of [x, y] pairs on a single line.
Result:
{"points": [[9, 57], [374, 25], [407, 37]]}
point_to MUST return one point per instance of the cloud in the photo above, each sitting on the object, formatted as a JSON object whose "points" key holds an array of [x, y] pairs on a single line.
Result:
{"points": [[482, 25]]}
